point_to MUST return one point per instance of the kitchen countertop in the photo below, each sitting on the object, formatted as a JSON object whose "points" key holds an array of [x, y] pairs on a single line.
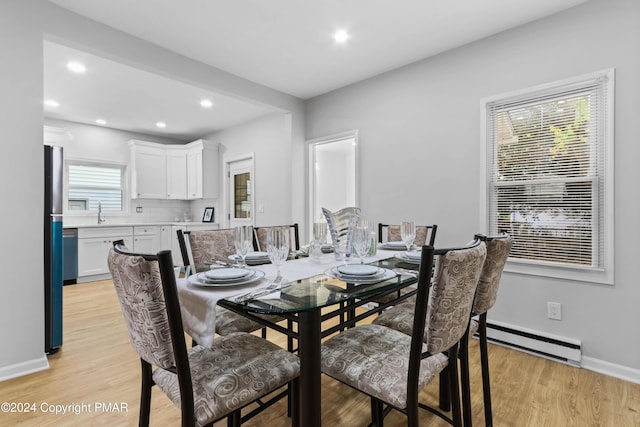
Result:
{"points": [[137, 224]]}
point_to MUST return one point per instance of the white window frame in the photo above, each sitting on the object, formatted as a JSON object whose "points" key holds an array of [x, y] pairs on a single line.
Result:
{"points": [[603, 273], [124, 167]]}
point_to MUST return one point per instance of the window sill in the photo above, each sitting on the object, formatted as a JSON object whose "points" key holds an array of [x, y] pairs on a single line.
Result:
{"points": [[576, 274]]}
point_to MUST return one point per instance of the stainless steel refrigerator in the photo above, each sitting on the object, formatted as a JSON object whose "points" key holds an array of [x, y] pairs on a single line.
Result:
{"points": [[53, 248]]}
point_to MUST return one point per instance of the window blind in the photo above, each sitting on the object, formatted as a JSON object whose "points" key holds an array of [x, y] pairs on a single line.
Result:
{"points": [[546, 172], [89, 185]]}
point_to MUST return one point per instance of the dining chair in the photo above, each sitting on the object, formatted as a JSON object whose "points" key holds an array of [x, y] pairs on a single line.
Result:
{"points": [[425, 234], [393, 358], [260, 237], [197, 242], [206, 384], [498, 247]]}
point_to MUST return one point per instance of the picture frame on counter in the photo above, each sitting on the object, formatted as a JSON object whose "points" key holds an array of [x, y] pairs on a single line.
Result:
{"points": [[208, 215]]}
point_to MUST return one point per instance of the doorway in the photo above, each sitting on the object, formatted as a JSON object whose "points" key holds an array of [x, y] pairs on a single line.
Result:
{"points": [[240, 185], [333, 174]]}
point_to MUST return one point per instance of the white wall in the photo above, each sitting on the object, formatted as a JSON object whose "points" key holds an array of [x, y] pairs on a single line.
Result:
{"points": [[269, 140], [419, 133], [23, 25], [21, 167]]}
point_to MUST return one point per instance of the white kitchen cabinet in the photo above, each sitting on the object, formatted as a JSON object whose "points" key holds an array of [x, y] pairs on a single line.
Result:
{"points": [[93, 249], [177, 173], [166, 238], [183, 172], [148, 170], [146, 239]]}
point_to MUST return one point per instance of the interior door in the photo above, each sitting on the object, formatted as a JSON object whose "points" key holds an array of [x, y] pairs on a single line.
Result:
{"points": [[333, 174], [240, 207]]}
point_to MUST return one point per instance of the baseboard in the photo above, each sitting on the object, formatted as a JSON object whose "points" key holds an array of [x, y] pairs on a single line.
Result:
{"points": [[24, 368], [562, 349], [611, 369]]}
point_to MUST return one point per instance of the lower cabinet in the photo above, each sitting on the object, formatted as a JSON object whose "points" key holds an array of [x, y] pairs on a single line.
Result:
{"points": [[146, 239], [94, 245]]}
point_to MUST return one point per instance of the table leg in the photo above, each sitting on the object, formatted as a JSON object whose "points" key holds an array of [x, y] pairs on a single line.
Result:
{"points": [[310, 372]]}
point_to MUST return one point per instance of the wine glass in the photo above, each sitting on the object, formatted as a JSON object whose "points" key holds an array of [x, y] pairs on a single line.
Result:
{"points": [[408, 233], [362, 240], [278, 250], [243, 240], [320, 232]]}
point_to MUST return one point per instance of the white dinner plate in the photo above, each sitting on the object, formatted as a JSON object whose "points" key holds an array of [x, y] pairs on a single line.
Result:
{"points": [[394, 246], [251, 261], [227, 273], [358, 270], [385, 274], [201, 280], [411, 260]]}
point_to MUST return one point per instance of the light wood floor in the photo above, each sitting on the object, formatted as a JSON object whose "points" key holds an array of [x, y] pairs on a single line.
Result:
{"points": [[97, 365]]}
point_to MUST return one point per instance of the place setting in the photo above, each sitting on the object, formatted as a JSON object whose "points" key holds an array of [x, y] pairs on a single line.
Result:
{"points": [[410, 257], [360, 273], [226, 276], [251, 258]]}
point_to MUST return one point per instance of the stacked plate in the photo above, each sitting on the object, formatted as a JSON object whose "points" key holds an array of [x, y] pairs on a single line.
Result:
{"points": [[393, 246], [360, 273], [252, 258], [226, 277], [412, 257]]}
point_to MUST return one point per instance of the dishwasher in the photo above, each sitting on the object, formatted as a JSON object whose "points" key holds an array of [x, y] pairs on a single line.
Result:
{"points": [[70, 255]]}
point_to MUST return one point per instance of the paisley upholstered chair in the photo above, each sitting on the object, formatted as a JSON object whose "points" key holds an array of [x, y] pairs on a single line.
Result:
{"points": [[260, 237], [196, 249], [402, 351], [498, 248], [425, 234], [192, 379]]}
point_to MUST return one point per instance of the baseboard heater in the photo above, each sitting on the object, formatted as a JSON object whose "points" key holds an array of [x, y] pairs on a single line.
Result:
{"points": [[567, 350]]}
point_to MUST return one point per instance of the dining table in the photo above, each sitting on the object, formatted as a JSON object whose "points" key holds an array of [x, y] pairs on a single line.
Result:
{"points": [[314, 292]]}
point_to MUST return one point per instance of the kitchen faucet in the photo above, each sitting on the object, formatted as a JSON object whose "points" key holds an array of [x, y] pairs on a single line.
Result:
{"points": [[101, 219]]}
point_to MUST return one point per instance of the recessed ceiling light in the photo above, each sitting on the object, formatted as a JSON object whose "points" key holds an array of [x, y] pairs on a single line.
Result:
{"points": [[161, 124], [206, 103], [51, 103], [76, 67], [101, 122], [341, 36]]}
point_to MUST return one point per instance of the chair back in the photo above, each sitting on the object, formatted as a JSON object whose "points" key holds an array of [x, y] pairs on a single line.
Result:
{"points": [[451, 295], [209, 246], [425, 234], [341, 225], [498, 248], [139, 285], [260, 237], [184, 241]]}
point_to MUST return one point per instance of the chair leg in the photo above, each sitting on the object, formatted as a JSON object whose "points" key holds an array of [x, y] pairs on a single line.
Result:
{"points": [[234, 419], [463, 355], [264, 333], [445, 393], [454, 386], [145, 394], [484, 362], [377, 412]]}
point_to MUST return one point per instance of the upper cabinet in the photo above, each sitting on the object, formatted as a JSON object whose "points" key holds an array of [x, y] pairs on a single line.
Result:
{"points": [[148, 174], [190, 171]]}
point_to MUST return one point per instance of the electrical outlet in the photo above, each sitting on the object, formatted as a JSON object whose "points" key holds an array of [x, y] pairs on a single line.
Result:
{"points": [[139, 209], [554, 310]]}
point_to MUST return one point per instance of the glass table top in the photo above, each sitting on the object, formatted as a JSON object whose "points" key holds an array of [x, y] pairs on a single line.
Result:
{"points": [[322, 290]]}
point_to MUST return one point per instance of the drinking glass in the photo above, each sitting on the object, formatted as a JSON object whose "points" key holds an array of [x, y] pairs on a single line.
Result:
{"points": [[362, 240], [320, 232], [278, 250], [243, 240], [408, 233]]}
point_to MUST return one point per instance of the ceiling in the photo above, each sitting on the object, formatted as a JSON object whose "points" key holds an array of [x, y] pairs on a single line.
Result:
{"points": [[283, 44]]}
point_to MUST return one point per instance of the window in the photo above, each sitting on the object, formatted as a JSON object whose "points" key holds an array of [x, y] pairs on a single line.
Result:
{"points": [[549, 177], [89, 184]]}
